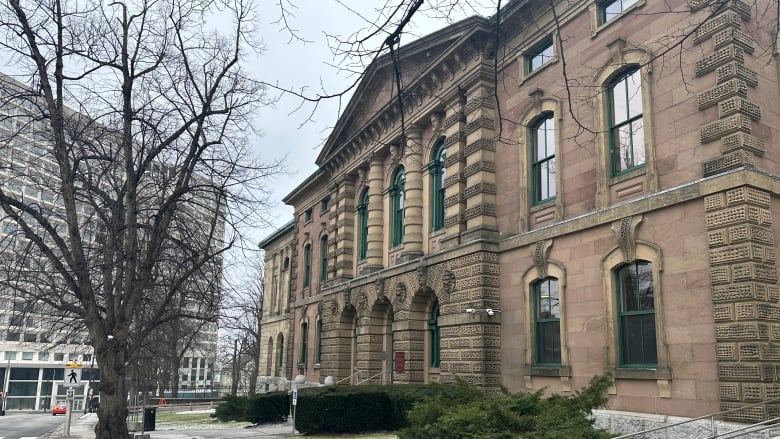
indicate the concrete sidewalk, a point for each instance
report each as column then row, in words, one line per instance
column 83, row 427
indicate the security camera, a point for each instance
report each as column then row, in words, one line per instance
column 489, row 311
column 471, row 310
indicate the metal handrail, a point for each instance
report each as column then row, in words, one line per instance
column 748, row 429
column 371, row 377
column 710, row 416
column 357, row 372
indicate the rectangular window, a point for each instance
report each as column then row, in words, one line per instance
column 547, row 319
column 539, row 55
column 626, row 125
column 28, row 356
column 307, row 215
column 10, row 355
column 325, row 204
column 611, row 9
column 13, row 336
column 59, row 357
column 543, row 171
column 307, row 266
column 30, row 338
column 636, row 315
column 43, row 356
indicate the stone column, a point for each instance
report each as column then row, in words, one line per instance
column 375, row 214
column 454, row 184
column 413, row 210
column 345, row 228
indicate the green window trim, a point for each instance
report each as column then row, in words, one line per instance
column 637, row 344
column 363, row 225
column 539, row 55
column 433, row 327
column 324, row 258
column 307, row 266
column 319, row 341
column 304, row 344
column 281, row 351
column 438, row 173
column 543, row 171
column 397, row 195
column 626, row 123
column 547, row 322
column 611, row 9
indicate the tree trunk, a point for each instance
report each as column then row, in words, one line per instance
column 113, row 411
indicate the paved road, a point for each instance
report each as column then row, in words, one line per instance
column 27, row 425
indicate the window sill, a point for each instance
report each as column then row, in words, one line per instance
column 642, row 373
column 525, row 76
column 628, row 175
column 548, row 371
column 542, row 205
column 606, row 24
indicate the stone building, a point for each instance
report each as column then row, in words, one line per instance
column 274, row 361
column 591, row 192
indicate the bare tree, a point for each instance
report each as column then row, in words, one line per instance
column 241, row 315
column 138, row 115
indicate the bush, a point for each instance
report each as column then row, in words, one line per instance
column 268, row 407
column 232, row 408
column 526, row 415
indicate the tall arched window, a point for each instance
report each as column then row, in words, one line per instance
column 433, row 327
column 626, row 125
column 397, row 194
column 319, row 341
column 547, row 321
column 438, row 173
column 636, row 315
column 543, row 159
column 304, row 344
column 280, row 352
column 324, row 258
column 307, row 266
column 363, row 225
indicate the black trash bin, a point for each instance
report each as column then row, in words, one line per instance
column 150, row 415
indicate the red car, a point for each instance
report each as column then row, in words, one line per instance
column 60, row 409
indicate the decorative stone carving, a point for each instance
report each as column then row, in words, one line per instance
column 379, row 284
column 626, row 235
column 400, row 292
column 334, row 308
column 362, row 302
column 448, row 282
column 422, row 275
column 540, row 251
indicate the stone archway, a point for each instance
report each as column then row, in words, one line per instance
column 269, row 359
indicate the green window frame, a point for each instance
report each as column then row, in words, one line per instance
column 363, row 225
column 324, row 258
column 307, row 266
column 433, row 327
column 636, row 315
column 543, row 172
column 319, row 341
column 397, row 198
column 539, row 55
column 611, row 9
column 626, row 124
column 304, row 344
column 547, row 321
column 280, row 346
column 438, row 172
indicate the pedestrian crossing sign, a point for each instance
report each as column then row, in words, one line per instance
column 72, row 377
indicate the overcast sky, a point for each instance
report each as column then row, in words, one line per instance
column 296, row 64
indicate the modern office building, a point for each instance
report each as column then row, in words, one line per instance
column 36, row 345
column 590, row 191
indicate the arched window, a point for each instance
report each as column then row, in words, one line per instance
column 547, row 321
column 626, row 125
column 280, row 352
column 324, row 258
column 397, row 194
column 319, row 341
column 433, row 327
column 636, row 315
column 543, row 159
column 363, row 225
column 304, row 344
column 438, row 172
column 307, row 266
